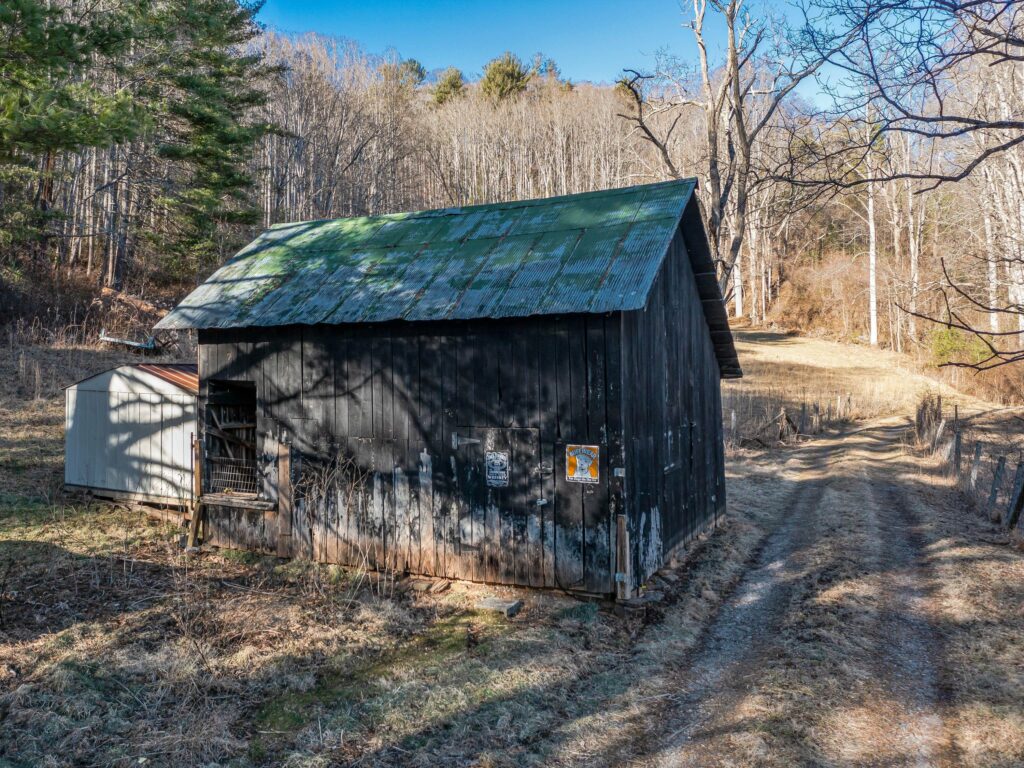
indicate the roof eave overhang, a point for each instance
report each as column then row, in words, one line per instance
column 713, row 303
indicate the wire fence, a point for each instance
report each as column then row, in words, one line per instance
column 765, row 418
column 979, row 470
column 232, row 475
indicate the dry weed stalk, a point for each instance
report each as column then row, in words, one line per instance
column 330, row 489
column 191, row 605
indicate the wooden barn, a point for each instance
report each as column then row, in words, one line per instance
column 519, row 393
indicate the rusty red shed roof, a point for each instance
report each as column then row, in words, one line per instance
column 183, row 375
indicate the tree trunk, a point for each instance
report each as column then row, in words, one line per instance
column 872, row 267
column 993, row 275
column 737, row 288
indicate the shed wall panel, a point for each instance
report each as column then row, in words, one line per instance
column 129, row 441
column 672, row 417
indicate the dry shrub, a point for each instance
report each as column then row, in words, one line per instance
column 816, row 298
column 1004, row 385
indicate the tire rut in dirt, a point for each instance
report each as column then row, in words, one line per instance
column 743, row 627
column 910, row 658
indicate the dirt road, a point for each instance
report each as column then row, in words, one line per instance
column 832, row 647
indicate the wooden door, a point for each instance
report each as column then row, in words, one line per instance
column 498, row 484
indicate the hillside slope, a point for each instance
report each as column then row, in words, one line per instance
column 799, row 369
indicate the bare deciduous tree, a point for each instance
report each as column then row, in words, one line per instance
column 738, row 100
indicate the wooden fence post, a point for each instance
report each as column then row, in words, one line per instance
column 623, row 571
column 1016, row 498
column 972, row 484
column 803, row 419
column 197, row 493
column 997, row 483
column 284, row 499
column 957, row 454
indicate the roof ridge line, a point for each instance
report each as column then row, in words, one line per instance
column 518, row 203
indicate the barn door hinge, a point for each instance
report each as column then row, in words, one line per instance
column 458, row 441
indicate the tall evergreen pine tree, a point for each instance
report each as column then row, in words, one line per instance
column 209, row 84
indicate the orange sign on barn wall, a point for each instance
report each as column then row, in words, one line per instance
column 582, row 463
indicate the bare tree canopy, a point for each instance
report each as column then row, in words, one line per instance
column 739, row 101
column 860, row 162
column 911, row 60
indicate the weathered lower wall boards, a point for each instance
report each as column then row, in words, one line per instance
column 570, row 449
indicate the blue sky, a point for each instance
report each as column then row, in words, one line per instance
column 590, row 39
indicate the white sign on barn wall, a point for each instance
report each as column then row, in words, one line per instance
column 497, row 464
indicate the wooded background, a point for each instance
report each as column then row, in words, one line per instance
column 143, row 142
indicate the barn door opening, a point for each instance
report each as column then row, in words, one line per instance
column 230, row 444
column 498, row 483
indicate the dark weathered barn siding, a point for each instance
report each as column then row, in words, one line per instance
column 412, row 406
column 391, row 396
column 672, row 416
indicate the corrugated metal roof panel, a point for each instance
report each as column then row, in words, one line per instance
column 483, row 295
column 581, row 272
column 591, row 253
column 643, row 248
column 533, row 278
column 182, row 375
column 594, row 252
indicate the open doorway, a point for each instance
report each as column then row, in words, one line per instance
column 230, row 435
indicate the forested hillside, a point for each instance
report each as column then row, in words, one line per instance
column 861, row 165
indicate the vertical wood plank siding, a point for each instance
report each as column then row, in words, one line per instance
column 675, row 482
column 390, row 396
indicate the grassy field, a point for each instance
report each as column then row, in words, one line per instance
column 115, row 646
column 843, row 382
column 118, row 649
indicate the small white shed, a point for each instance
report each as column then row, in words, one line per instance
column 128, row 433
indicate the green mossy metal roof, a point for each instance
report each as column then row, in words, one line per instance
column 589, row 253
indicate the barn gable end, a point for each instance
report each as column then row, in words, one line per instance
column 673, row 438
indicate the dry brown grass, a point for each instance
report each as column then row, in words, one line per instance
column 115, row 647
column 845, row 383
